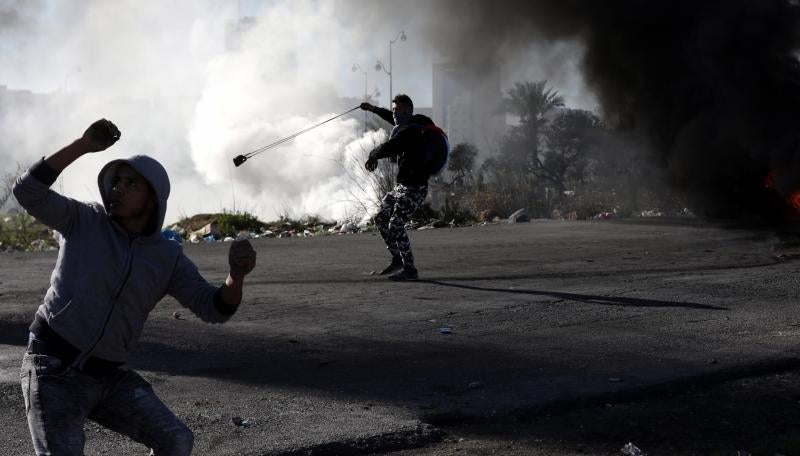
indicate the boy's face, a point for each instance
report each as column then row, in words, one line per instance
column 131, row 196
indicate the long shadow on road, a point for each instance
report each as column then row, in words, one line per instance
column 367, row 277
column 591, row 299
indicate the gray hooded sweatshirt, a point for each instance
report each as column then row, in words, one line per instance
column 105, row 282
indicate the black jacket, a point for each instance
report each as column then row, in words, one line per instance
column 407, row 147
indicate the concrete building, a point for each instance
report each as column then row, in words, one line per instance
column 466, row 105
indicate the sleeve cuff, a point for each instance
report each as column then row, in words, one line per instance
column 221, row 307
column 44, row 173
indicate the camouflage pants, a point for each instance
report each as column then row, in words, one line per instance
column 397, row 207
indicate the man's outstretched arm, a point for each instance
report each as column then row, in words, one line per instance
column 383, row 113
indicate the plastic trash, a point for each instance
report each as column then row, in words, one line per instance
column 172, row 235
column 238, row 421
column 446, row 330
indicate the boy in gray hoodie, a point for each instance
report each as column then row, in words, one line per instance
column 113, row 267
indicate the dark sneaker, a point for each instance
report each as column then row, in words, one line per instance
column 392, row 268
column 406, row 275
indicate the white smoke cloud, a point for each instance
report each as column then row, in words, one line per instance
column 269, row 87
column 186, row 88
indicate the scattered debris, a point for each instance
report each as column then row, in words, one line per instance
column 652, row 213
column 348, row 227
column 238, row 421
column 519, row 216
column 172, row 235
column 487, row 215
column 605, row 216
column 631, row 450
column 38, row 245
column 210, row 229
column 245, row 235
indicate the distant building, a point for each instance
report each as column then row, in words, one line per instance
column 466, row 104
column 9, row 97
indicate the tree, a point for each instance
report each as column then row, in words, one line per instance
column 461, row 163
column 567, row 139
column 531, row 101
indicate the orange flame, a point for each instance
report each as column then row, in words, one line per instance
column 794, row 200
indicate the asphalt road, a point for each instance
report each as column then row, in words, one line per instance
column 323, row 356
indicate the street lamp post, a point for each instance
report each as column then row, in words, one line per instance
column 357, row 67
column 380, row 66
column 367, row 95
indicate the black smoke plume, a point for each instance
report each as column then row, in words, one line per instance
column 713, row 86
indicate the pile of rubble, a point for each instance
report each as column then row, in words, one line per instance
column 211, row 232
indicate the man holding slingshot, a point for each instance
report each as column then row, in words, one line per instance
column 406, row 145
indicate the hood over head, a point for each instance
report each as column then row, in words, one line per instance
column 151, row 170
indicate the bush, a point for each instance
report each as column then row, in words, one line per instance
column 231, row 223
column 18, row 231
column 456, row 213
column 424, row 215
